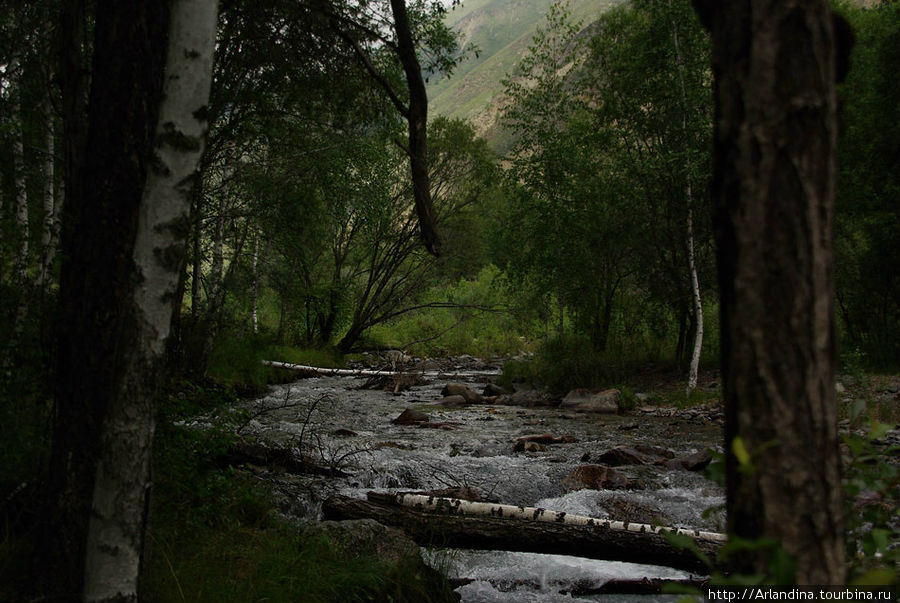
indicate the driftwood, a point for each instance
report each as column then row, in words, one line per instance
column 527, row 530
column 284, row 459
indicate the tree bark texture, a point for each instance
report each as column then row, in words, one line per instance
column 417, row 117
column 115, row 537
column 50, row 231
column 775, row 133
column 21, row 207
column 496, row 533
column 689, row 219
column 96, row 282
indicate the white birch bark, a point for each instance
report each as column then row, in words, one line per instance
column 456, row 506
column 698, row 303
column 21, row 208
column 254, row 299
column 20, row 260
column 51, row 212
column 689, row 196
column 116, row 528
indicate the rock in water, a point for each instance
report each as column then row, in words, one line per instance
column 692, row 462
column 605, row 402
column 458, row 389
column 410, row 417
column 595, row 477
column 455, row 400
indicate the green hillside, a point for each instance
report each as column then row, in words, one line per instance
column 502, row 30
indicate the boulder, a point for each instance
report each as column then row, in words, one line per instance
column 459, row 389
column 531, row 447
column 595, row 477
column 528, row 398
column 692, row 462
column 492, row 390
column 410, row 417
column 454, row 400
column 625, row 455
column 542, row 438
column 630, row 510
column 461, row 492
column 582, row 400
column 655, row 451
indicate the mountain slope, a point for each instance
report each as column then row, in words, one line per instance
column 502, row 30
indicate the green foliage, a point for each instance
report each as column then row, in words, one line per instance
column 868, row 186
column 561, row 366
column 236, row 362
column 470, row 316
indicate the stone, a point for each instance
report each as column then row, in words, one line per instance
column 595, row 477
column 691, row 462
column 454, row 400
column 492, row 390
column 582, row 400
column 624, row 455
column 532, row 447
column 461, row 492
column 459, row 389
column 528, row 398
column 655, row 451
column 542, row 438
column 410, row 417
column 632, row 511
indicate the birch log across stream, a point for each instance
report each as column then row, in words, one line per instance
column 446, row 522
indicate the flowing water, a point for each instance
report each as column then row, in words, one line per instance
column 342, row 425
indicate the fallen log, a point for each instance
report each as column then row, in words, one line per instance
column 457, row 506
column 335, row 372
column 329, row 372
column 446, row 527
column 284, row 459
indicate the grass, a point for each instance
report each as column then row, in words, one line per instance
column 236, row 362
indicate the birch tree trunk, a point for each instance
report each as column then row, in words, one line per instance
column 698, row 302
column 116, row 528
column 21, row 208
column 689, row 198
column 20, row 260
column 254, row 294
column 51, row 210
column 774, row 171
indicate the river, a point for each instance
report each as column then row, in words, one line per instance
column 342, row 425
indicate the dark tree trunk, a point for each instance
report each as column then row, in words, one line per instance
column 104, row 190
column 681, row 345
column 774, row 68
column 417, row 118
